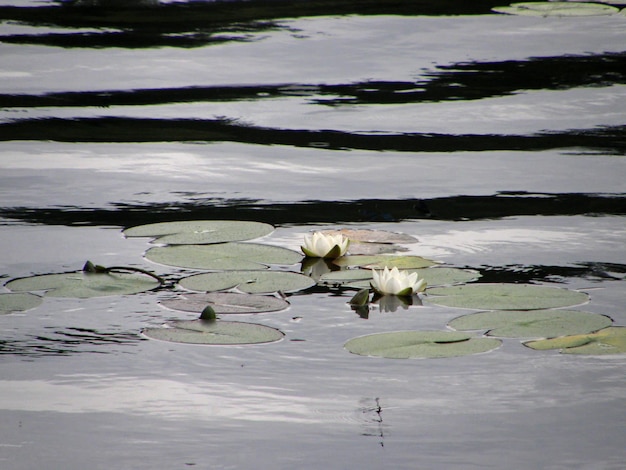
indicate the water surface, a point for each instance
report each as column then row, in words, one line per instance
column 497, row 141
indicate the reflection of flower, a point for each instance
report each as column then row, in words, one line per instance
column 316, row 267
column 321, row 245
column 391, row 303
column 396, row 282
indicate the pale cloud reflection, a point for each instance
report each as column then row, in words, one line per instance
column 176, row 164
column 472, row 241
column 164, row 398
column 288, row 167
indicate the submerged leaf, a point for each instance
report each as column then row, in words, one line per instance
column 83, row 285
column 214, row 332
column 252, row 282
column 372, row 236
column 198, row 232
column 382, row 261
column 223, row 256
column 532, row 323
column 610, row 340
column 226, row 303
column 18, row 302
column 373, row 242
column 423, row 344
column 436, row 276
column 505, row 297
column 365, row 248
column 557, row 9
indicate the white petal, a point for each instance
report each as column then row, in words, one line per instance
column 394, row 286
column 419, row 286
column 376, row 280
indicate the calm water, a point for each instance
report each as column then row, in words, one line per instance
column 497, row 141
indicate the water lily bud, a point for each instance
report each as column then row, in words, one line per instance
column 208, row 314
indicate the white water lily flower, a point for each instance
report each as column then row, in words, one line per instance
column 321, row 245
column 396, row 282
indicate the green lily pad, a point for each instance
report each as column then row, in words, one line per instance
column 226, row 302
column 18, row 302
column 199, row 232
column 505, row 297
column 416, row 344
column 346, row 276
column 532, row 323
column 251, row 282
column 607, row 341
column 223, row 256
column 440, row 276
column 557, row 9
column 83, row 285
column 214, row 332
column 380, row 261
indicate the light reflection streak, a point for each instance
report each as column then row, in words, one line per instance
column 167, row 399
column 331, row 401
column 473, row 241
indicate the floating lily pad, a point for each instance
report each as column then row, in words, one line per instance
column 380, row 261
column 505, row 297
column 607, row 341
column 83, row 285
column 226, row 302
column 199, row 232
column 557, row 9
column 18, row 302
column 424, row 344
column 532, row 323
column 346, row 276
column 252, row 282
column 215, row 332
column 440, row 276
column 372, row 236
column 223, row 256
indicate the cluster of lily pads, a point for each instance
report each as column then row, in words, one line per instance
column 240, row 276
column 563, row 8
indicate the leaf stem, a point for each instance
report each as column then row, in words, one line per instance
column 137, row 270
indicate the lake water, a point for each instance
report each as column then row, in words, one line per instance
column 498, row 141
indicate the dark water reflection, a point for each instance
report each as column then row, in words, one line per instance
column 590, row 271
column 452, row 208
column 463, row 81
column 66, row 341
column 137, row 39
column 111, row 129
column 191, row 15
